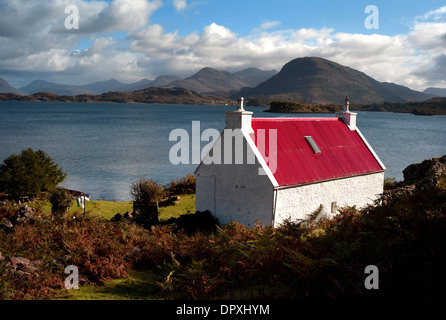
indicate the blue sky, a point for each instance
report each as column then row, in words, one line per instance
column 134, row 39
column 243, row 16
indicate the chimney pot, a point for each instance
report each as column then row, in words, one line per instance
column 348, row 117
column 240, row 108
column 239, row 119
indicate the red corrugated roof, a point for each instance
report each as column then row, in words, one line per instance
column 343, row 152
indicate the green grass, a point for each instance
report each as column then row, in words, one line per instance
column 107, row 209
column 139, row 285
column 186, row 205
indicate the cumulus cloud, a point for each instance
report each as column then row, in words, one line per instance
column 34, row 41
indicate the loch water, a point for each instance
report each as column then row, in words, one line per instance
column 105, row 147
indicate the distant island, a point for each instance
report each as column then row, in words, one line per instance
column 434, row 106
column 148, row 95
column 301, row 107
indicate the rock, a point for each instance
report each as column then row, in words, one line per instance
column 21, row 266
column 24, row 215
column 19, row 261
column 117, row 217
column 7, row 224
column 419, row 177
column 426, row 170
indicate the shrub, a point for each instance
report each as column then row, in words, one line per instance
column 390, row 183
column 60, row 202
column 147, row 191
column 192, row 223
column 184, row 185
column 405, row 239
column 29, row 173
column 100, row 249
column 146, row 196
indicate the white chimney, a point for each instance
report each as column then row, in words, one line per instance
column 348, row 117
column 239, row 119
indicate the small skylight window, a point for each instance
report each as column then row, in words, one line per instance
column 312, row 144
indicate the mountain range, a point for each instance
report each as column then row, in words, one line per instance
column 308, row 79
column 207, row 80
column 321, row 81
column 96, row 87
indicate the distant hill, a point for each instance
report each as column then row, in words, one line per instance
column 254, row 76
column 92, row 88
column 440, row 92
column 59, row 89
column 405, row 93
column 209, row 80
column 96, row 87
column 105, row 86
column 138, row 85
column 321, row 81
column 164, row 80
column 5, row 87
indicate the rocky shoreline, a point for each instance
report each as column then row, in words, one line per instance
column 419, row 177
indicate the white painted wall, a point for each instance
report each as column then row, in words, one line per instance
column 235, row 192
column 297, row 203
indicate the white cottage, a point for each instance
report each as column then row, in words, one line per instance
column 272, row 169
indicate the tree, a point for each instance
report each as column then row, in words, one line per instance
column 29, row 173
column 146, row 196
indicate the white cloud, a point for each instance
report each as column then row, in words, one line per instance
column 39, row 44
column 180, row 5
column 437, row 14
column 267, row 25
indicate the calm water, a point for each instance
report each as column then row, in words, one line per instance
column 105, row 147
